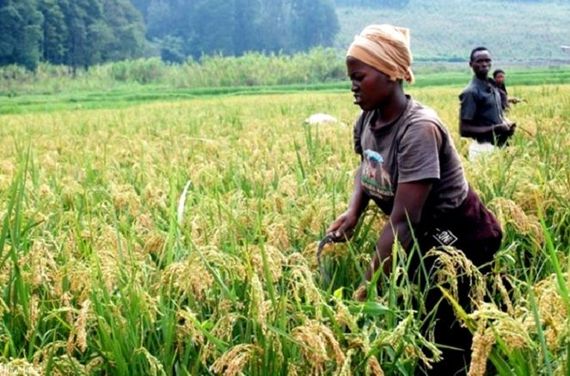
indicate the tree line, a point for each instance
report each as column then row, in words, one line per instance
column 82, row 33
column 232, row 27
column 77, row 33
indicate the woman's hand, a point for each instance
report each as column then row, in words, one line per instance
column 343, row 227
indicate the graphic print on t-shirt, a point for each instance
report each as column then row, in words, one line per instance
column 374, row 178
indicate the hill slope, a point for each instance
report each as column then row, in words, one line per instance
column 447, row 30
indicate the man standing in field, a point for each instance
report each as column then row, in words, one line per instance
column 481, row 115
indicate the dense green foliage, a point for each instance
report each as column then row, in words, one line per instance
column 20, row 32
column 194, row 28
column 78, row 33
column 83, row 33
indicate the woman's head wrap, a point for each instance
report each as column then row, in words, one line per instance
column 386, row 48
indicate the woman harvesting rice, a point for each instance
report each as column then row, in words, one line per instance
column 411, row 170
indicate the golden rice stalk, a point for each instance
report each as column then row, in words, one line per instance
column 38, row 265
column 344, row 317
column 152, row 239
column 510, row 329
column 552, row 311
column 504, row 294
column 3, row 307
column 483, row 342
column 317, row 342
column 417, row 350
column 309, row 254
column 125, row 198
column 144, row 224
column 225, row 307
column 6, row 269
column 373, row 367
column 276, row 348
column 44, row 191
column 258, row 308
column 346, row 367
column 339, row 356
column 277, row 235
column 156, row 367
column 274, row 258
column 509, row 212
column 7, row 166
column 33, row 316
column 452, row 264
column 70, row 189
column 94, row 365
column 223, row 330
column 67, row 365
column 20, row 367
column 313, row 348
column 111, row 244
column 233, row 361
column 155, row 197
column 44, row 353
column 562, row 368
column 186, row 327
column 78, row 334
column 79, row 275
column 302, row 283
column 531, row 194
column 190, row 277
column 223, row 261
column 153, row 243
column 81, row 326
column 292, row 370
column 66, row 304
column 313, row 214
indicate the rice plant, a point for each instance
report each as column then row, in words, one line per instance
column 179, row 238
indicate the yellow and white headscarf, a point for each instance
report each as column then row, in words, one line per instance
column 386, row 48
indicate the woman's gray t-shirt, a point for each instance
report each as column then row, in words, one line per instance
column 416, row 147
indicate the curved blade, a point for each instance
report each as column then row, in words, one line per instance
column 325, row 274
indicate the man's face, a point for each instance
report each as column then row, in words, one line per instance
column 481, row 63
column 500, row 78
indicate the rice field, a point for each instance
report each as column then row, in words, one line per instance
column 179, row 238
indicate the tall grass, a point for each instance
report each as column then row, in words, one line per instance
column 151, row 78
column 103, row 272
column 252, row 69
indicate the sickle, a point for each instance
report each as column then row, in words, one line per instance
column 324, row 273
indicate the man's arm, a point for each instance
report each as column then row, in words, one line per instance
column 468, row 128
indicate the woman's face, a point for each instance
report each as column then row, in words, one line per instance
column 371, row 88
